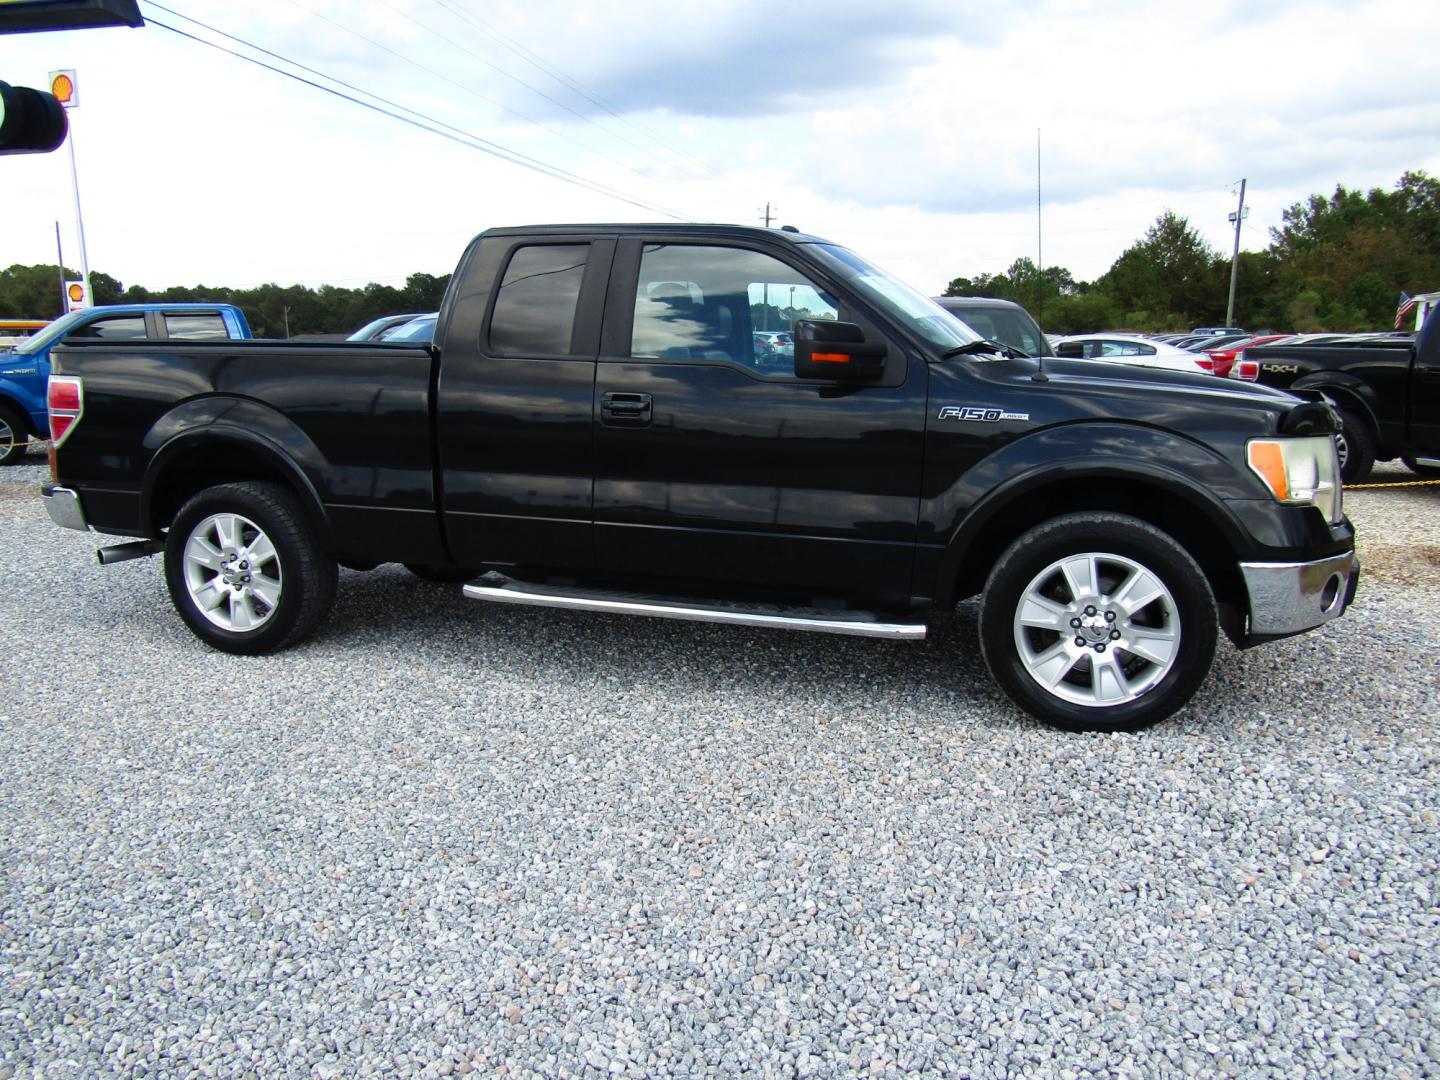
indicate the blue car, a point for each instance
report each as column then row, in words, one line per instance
column 25, row 368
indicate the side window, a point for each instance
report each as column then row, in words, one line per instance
column 1120, row 348
column 535, row 308
column 727, row 304
column 195, row 326
column 113, row 328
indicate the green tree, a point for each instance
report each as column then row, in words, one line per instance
column 1171, row 277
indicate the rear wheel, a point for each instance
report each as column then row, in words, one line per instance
column 14, row 436
column 1098, row 622
column 245, row 570
column 1356, row 449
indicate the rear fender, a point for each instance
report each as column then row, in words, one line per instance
column 1348, row 392
column 260, row 433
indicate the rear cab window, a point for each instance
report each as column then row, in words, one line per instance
column 537, row 299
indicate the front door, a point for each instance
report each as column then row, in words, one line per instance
column 714, row 464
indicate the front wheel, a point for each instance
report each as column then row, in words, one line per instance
column 13, row 435
column 245, row 570
column 1098, row 622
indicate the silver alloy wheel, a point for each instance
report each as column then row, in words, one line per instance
column 232, row 572
column 8, row 436
column 1342, row 447
column 1097, row 629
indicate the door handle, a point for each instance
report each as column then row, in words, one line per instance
column 623, row 408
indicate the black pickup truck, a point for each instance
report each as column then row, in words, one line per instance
column 1387, row 391
column 607, row 420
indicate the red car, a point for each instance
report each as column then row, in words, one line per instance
column 1224, row 358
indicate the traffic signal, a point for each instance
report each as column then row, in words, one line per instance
column 31, row 122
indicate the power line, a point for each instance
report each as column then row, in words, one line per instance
column 445, row 78
column 541, row 64
column 425, row 123
column 501, row 71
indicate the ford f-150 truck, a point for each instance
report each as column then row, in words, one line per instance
column 25, row 368
column 594, row 427
column 1386, row 389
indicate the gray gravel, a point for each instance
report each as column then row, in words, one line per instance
column 445, row 837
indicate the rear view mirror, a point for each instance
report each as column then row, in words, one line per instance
column 836, row 351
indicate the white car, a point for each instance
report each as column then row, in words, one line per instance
column 1133, row 349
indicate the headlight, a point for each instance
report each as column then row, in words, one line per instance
column 1300, row 472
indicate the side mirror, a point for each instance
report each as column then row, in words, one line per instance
column 1071, row 350
column 836, row 351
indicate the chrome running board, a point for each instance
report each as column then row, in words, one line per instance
column 503, row 590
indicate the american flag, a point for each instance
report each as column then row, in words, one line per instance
column 1407, row 305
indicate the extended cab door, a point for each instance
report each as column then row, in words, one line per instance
column 516, row 384
column 1424, row 396
column 715, row 464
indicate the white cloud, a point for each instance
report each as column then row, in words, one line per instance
column 907, row 133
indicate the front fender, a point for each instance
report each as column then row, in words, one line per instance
column 960, row 513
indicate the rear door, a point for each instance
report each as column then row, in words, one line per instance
column 715, row 464
column 1424, row 396
column 516, row 387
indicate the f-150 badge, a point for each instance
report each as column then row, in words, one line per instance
column 979, row 412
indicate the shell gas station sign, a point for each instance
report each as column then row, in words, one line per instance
column 77, row 297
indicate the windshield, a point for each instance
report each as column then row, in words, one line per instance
column 1003, row 324
column 52, row 333
column 909, row 309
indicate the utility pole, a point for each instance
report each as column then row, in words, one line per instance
column 1039, row 238
column 765, row 300
column 1238, row 217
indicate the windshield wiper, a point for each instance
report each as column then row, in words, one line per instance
column 984, row 345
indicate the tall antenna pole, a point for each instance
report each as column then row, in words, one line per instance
column 1238, row 217
column 1039, row 237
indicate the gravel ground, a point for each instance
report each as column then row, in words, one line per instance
column 445, row 837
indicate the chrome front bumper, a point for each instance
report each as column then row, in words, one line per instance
column 1288, row 598
column 63, row 506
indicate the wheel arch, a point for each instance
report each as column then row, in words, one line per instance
column 1201, row 525
column 1349, row 396
column 199, row 458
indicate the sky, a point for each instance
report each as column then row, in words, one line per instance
column 906, row 131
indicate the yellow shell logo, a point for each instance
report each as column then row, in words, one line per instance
column 76, row 292
column 63, row 88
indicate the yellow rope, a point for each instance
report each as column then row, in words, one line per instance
column 1397, row 483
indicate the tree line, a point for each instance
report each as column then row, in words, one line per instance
column 1336, row 262
column 272, row 310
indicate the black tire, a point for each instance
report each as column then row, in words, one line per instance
column 442, row 575
column 244, row 575
column 1429, row 471
column 14, row 435
column 1357, row 448
column 1181, row 623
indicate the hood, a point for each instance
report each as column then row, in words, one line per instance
column 1206, row 407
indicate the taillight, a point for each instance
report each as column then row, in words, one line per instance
column 1249, row 370
column 65, row 397
column 1205, row 363
column 1223, row 363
